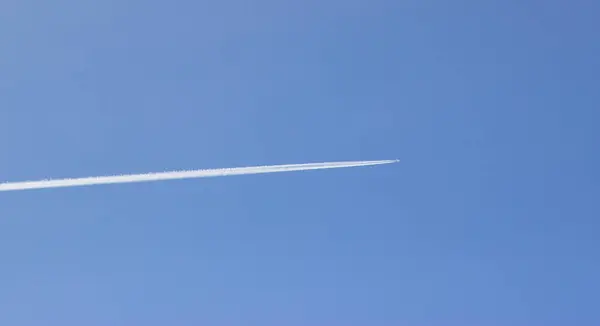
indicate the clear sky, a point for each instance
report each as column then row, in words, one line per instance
column 490, row 218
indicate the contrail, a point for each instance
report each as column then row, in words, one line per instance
column 157, row 176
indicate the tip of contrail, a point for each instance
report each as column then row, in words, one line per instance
column 384, row 161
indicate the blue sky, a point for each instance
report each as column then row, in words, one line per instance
column 491, row 217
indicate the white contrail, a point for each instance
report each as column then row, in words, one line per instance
column 74, row 182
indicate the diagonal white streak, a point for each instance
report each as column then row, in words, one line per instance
column 89, row 181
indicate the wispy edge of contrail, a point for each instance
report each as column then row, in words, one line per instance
column 185, row 174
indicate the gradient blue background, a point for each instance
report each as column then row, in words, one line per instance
column 491, row 217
